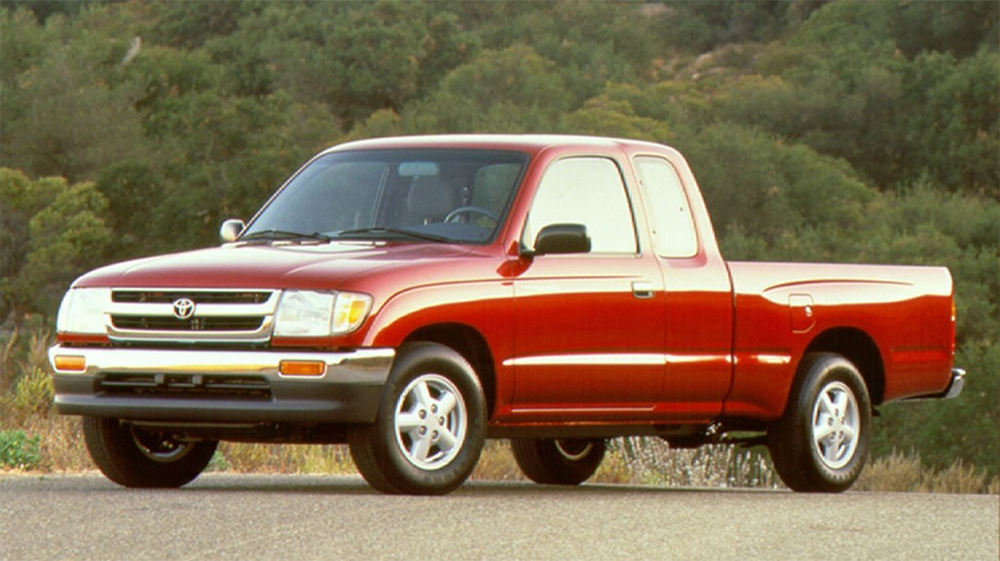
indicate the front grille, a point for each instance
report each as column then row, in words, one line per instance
column 167, row 323
column 196, row 296
column 187, row 386
column 215, row 316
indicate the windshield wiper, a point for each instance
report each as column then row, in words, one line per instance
column 275, row 234
column 383, row 230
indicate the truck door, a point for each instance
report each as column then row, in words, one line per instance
column 588, row 325
column 698, row 310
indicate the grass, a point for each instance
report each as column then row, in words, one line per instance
column 34, row 438
column 906, row 473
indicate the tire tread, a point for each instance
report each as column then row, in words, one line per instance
column 115, row 453
column 789, row 437
column 541, row 462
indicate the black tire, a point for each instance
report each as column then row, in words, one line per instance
column 430, row 427
column 558, row 461
column 134, row 457
column 820, row 444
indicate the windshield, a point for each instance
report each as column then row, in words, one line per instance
column 453, row 196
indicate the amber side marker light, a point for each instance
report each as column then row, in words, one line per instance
column 71, row 363
column 302, row 368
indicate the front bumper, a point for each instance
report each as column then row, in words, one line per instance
column 210, row 386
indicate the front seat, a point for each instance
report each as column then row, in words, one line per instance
column 430, row 200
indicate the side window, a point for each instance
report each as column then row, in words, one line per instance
column 587, row 191
column 673, row 225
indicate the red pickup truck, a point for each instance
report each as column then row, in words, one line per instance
column 414, row 296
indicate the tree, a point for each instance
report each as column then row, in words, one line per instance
column 514, row 90
column 69, row 120
column 769, row 188
column 604, row 116
column 956, row 28
column 66, row 236
column 355, row 58
column 956, row 131
column 22, row 200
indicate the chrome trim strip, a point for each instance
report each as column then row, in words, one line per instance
column 261, row 335
column 139, row 289
column 771, row 359
column 581, row 410
column 634, row 359
column 367, row 366
column 201, row 310
column 615, row 359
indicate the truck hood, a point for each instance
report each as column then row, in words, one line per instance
column 302, row 266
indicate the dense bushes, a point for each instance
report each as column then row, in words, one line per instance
column 820, row 131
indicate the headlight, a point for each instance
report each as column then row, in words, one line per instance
column 349, row 311
column 304, row 313
column 82, row 311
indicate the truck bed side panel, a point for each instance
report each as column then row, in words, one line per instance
column 782, row 308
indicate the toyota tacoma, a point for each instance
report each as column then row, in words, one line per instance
column 412, row 297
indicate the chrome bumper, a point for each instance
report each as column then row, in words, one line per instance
column 348, row 391
column 956, row 385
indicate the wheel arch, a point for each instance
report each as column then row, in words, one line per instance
column 471, row 344
column 858, row 347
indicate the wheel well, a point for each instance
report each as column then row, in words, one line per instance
column 469, row 343
column 856, row 346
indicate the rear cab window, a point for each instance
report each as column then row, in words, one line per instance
column 671, row 220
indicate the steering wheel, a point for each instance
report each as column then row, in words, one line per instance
column 471, row 210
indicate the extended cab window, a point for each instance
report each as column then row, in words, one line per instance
column 587, row 191
column 672, row 223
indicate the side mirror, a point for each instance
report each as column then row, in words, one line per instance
column 556, row 239
column 231, row 229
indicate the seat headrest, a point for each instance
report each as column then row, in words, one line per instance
column 431, row 199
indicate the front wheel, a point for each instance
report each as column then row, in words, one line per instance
column 566, row 461
column 821, row 442
column 430, row 427
column 135, row 457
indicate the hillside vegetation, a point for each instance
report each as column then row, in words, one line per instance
column 820, row 131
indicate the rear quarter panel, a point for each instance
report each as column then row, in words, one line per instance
column 781, row 308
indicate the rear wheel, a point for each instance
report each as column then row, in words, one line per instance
column 430, row 427
column 821, row 442
column 137, row 457
column 568, row 461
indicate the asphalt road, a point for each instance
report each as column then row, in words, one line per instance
column 286, row 518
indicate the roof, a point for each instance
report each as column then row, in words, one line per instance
column 522, row 142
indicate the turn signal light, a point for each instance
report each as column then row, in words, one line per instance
column 70, row 363
column 302, row 368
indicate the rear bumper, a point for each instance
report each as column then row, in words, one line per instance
column 956, row 385
column 207, row 386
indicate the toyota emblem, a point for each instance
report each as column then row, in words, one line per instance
column 183, row 308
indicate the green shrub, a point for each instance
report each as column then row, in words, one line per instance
column 18, row 450
column 32, row 394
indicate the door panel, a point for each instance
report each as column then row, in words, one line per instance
column 586, row 341
column 589, row 327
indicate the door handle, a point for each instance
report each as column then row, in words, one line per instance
column 642, row 289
